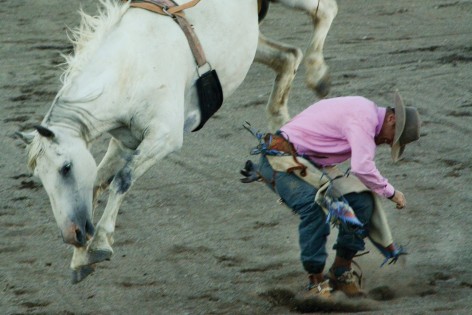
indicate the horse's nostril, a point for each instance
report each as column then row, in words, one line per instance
column 80, row 237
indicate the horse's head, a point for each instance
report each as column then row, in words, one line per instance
column 67, row 171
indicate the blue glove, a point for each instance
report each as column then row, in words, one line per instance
column 249, row 172
column 393, row 255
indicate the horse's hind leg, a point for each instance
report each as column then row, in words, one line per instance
column 284, row 60
column 317, row 75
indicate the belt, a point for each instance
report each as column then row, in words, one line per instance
column 279, row 143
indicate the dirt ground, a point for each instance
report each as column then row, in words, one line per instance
column 190, row 238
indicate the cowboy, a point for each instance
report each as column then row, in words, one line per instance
column 322, row 136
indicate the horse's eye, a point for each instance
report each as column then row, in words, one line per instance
column 65, row 170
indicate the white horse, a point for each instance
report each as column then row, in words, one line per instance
column 285, row 59
column 133, row 76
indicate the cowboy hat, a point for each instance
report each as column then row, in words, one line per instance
column 407, row 127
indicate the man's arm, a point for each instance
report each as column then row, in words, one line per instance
column 363, row 147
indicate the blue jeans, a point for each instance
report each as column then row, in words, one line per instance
column 313, row 229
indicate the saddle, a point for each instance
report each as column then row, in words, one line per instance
column 162, row 7
column 209, row 90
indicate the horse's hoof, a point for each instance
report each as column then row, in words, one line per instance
column 323, row 87
column 98, row 255
column 82, row 273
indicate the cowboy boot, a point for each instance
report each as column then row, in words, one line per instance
column 343, row 278
column 318, row 287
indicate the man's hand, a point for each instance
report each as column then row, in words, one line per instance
column 249, row 172
column 399, row 199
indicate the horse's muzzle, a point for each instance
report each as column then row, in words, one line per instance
column 78, row 235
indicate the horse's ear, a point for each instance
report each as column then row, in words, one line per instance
column 45, row 132
column 27, row 137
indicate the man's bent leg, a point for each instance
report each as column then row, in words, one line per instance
column 348, row 243
column 313, row 228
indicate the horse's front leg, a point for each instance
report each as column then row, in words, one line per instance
column 317, row 74
column 154, row 147
column 284, row 60
column 113, row 160
column 111, row 163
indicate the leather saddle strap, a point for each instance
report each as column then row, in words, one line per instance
column 170, row 8
column 164, row 7
column 193, row 41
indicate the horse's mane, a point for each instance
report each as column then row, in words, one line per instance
column 90, row 32
column 85, row 39
column 35, row 149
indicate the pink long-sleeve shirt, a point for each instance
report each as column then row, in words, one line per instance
column 334, row 130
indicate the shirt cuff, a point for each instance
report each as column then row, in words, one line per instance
column 389, row 191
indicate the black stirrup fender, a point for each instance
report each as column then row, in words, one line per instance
column 263, row 6
column 210, row 96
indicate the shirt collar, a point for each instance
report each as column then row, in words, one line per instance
column 381, row 112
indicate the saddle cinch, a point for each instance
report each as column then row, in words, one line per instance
column 209, row 90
